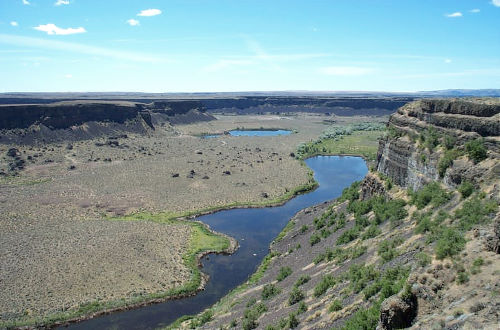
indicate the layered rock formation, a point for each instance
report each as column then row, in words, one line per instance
column 459, row 120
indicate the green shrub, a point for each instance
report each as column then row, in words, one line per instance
column 387, row 249
column 251, row 302
column 450, row 243
column 348, row 235
column 449, row 142
column 325, row 233
column 447, row 160
column 462, row 277
column 364, row 318
column 423, row 259
column 251, row 315
column 474, row 211
column 292, row 321
column 314, row 239
column 303, row 279
column 370, row 232
column 284, row 273
column 360, row 275
column 296, row 295
column 431, row 193
column 476, row 150
column 302, row 308
column 269, row 291
column 431, row 138
column 350, row 193
column 466, row 189
column 392, row 210
column 326, row 282
column 303, row 229
column 335, row 306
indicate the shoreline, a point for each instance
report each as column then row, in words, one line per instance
column 203, row 278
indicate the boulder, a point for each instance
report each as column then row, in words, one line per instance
column 396, row 312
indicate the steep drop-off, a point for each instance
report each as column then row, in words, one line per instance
column 414, row 245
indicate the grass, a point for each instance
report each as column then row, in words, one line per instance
column 202, row 240
column 363, row 143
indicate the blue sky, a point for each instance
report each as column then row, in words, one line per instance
column 248, row 45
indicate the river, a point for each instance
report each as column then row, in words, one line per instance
column 254, row 228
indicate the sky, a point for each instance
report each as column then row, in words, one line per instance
column 248, row 45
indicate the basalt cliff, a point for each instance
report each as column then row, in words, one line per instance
column 413, row 245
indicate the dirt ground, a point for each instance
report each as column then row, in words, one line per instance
column 57, row 250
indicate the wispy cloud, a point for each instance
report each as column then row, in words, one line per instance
column 61, row 2
column 481, row 72
column 149, row 12
column 68, row 76
column 447, row 61
column 78, row 48
column 495, row 3
column 53, row 29
column 455, row 14
column 133, row 22
column 26, row 2
column 346, row 71
column 14, row 23
column 475, row 11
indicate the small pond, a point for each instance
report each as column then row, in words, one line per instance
column 254, row 229
column 251, row 133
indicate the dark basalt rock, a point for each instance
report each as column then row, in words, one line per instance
column 397, row 313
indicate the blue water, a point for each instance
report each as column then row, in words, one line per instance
column 254, row 229
column 251, row 133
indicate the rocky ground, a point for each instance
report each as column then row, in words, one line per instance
column 414, row 245
column 58, row 252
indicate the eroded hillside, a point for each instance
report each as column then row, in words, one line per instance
column 415, row 244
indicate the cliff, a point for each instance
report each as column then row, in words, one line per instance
column 409, row 153
column 84, row 119
column 384, row 256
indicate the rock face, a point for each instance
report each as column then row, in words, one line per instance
column 397, row 313
column 84, row 119
column 463, row 120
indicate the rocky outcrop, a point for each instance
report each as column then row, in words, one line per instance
column 397, row 313
column 403, row 156
column 371, row 186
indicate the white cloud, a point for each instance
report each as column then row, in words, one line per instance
column 61, row 2
column 455, row 14
column 53, row 29
column 68, row 76
column 475, row 11
column 447, row 60
column 149, row 12
column 14, row 23
column 495, row 3
column 78, row 48
column 133, row 22
column 26, row 2
column 345, row 71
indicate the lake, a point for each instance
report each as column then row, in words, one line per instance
column 251, row 133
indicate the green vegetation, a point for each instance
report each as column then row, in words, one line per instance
column 476, row 151
column 289, row 226
column 371, row 232
column 466, row 189
column 430, row 138
column 450, row 243
column 314, row 239
column 476, row 265
column 364, row 318
column 269, row 291
column 251, row 316
column 340, row 254
column 284, row 273
column 449, row 142
column 431, row 193
column 474, row 211
column 360, row 275
column 326, row 282
column 295, row 296
column 447, row 160
column 389, row 283
column 387, row 249
column 204, row 318
column 356, row 139
column 423, row 259
column 303, row 279
column 335, row 306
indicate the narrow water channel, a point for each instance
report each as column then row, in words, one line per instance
column 254, row 229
